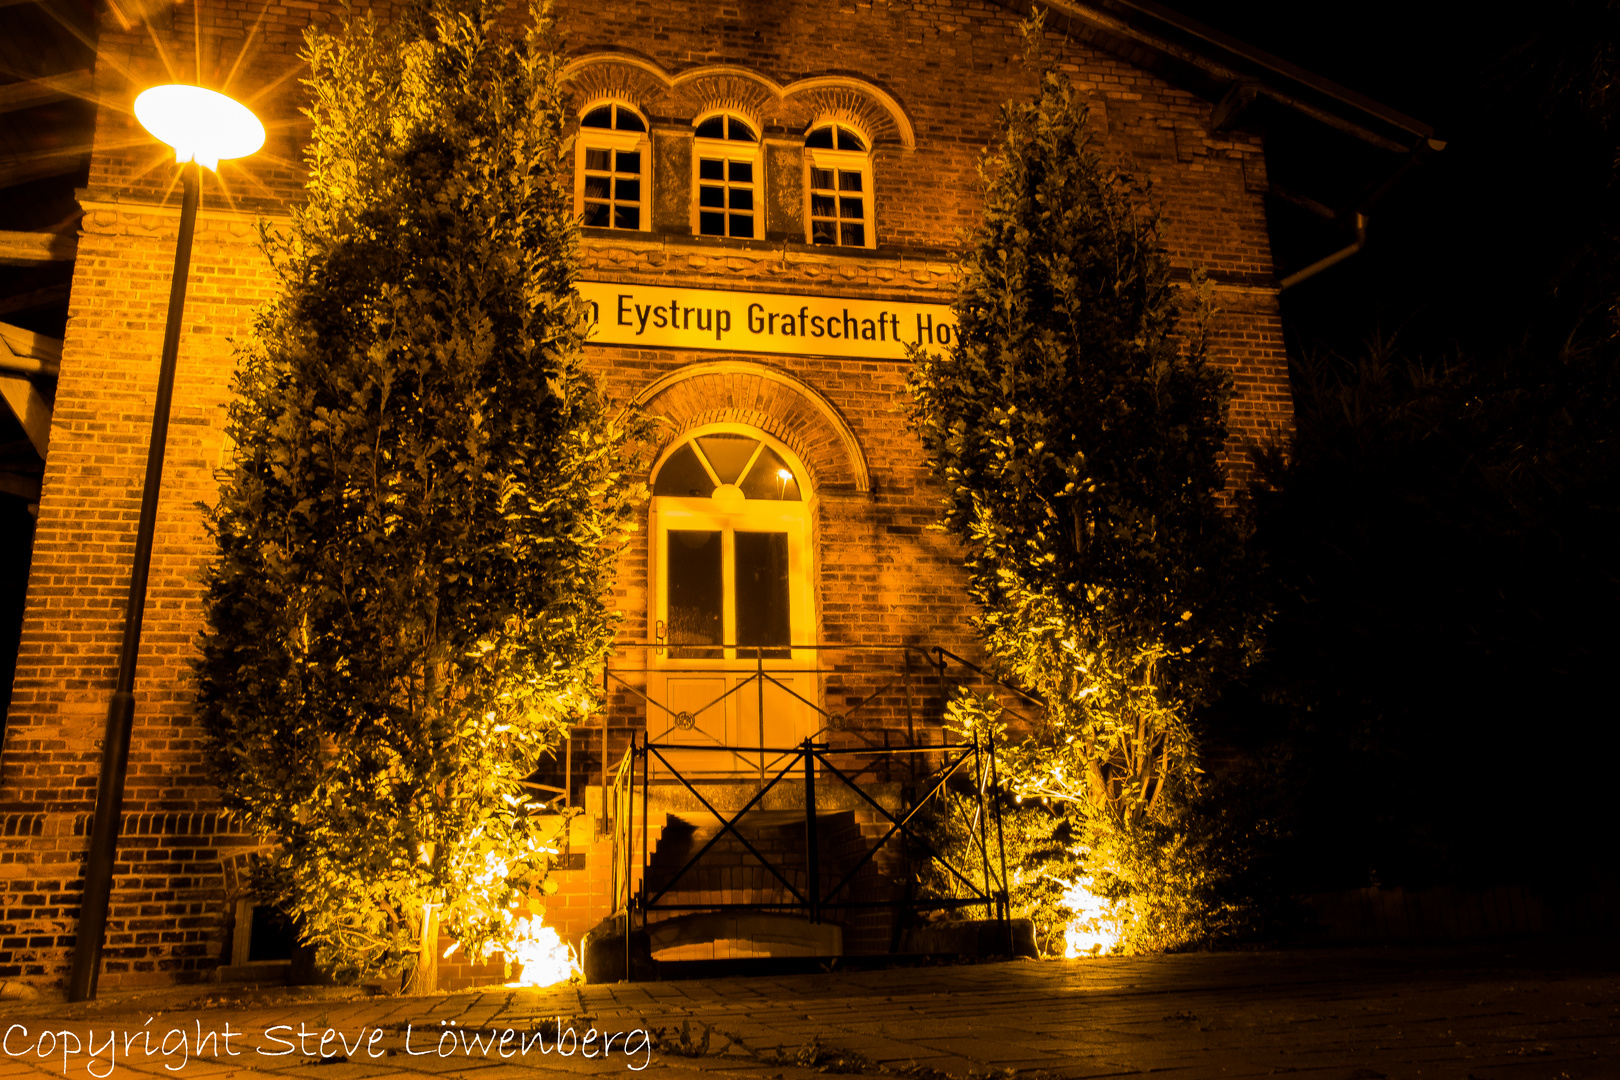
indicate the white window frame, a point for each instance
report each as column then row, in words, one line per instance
column 730, row 150
column 849, row 161
column 612, row 140
column 728, row 517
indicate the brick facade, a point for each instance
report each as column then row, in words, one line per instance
column 921, row 80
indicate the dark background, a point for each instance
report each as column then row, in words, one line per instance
column 1436, row 704
column 1463, row 251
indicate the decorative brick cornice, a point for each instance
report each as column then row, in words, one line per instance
column 171, row 824
column 22, row 825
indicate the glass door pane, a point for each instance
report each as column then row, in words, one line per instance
column 763, row 615
column 696, row 597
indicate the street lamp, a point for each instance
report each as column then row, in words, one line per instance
column 204, row 127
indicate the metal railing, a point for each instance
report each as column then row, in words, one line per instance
column 903, row 703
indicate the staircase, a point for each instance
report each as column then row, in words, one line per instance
column 729, row 874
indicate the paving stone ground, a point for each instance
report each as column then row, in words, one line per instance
column 1532, row 1010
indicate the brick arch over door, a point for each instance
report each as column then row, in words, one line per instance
column 780, row 404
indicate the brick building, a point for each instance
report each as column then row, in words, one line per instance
column 771, row 196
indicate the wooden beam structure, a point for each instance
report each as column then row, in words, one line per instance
column 46, row 89
column 31, row 248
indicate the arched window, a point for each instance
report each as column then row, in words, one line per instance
column 732, row 529
column 612, row 186
column 727, row 193
column 838, row 187
column 732, row 594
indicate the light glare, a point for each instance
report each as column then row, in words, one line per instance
column 545, row 958
column 202, row 125
column 1094, row 930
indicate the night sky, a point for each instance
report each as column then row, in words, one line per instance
column 1464, row 251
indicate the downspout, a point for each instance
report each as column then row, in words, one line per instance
column 1332, row 260
column 1364, row 204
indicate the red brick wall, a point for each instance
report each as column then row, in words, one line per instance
column 882, row 578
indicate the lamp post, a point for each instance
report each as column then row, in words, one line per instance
column 203, row 127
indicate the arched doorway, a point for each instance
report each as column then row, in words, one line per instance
column 732, row 596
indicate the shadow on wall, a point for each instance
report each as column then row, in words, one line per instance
column 16, row 552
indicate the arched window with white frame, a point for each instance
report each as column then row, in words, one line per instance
column 613, row 168
column 732, row 595
column 838, row 187
column 727, row 178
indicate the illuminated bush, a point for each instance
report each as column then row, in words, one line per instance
column 417, row 534
column 1075, row 427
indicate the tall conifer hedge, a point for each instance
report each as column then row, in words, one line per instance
column 417, row 533
column 1076, row 426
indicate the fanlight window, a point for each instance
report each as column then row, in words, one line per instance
column 700, row 467
column 834, row 137
column 613, row 116
column 731, row 535
column 726, row 127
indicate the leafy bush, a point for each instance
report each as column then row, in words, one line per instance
column 417, row 532
column 1076, row 427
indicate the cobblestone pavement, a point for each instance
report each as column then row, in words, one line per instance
column 1530, row 1010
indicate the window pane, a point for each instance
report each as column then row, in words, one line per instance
column 821, row 232
column 599, row 117
column 596, row 215
column 597, row 160
column 711, row 196
column 770, row 478
column 596, row 187
column 683, row 476
column 627, row 161
column 727, row 454
column 626, row 217
column 848, row 140
column 851, row 208
column 710, row 169
column 854, row 235
column 763, row 616
column 711, row 224
column 742, row 225
column 821, row 178
column 629, row 121
column 821, row 138
column 694, row 591
column 742, row 199
column 712, row 128
column 739, row 131
column 630, row 191
column 822, row 206
column 742, row 172
column 849, row 181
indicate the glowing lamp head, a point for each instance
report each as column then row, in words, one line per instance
column 202, row 125
column 783, row 475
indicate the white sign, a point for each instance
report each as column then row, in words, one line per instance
column 658, row 317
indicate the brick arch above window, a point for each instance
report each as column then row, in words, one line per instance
column 710, row 86
column 621, row 82
column 772, row 400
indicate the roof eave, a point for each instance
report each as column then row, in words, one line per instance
column 1225, row 71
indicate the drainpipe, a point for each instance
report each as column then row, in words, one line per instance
column 1334, row 259
column 1363, row 204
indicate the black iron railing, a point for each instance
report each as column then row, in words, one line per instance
column 883, row 730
